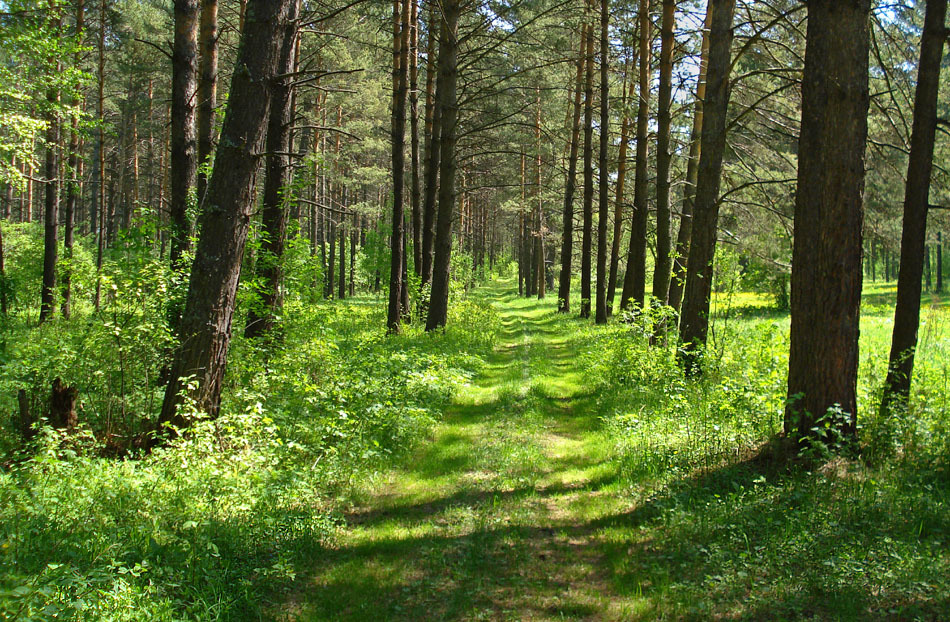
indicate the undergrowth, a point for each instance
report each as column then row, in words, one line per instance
column 725, row 527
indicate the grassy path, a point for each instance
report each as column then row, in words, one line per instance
column 498, row 517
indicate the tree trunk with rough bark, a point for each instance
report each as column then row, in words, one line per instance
column 603, row 211
column 634, row 282
column 587, row 237
column 207, row 89
column 916, row 201
column 694, row 323
column 447, row 103
column 661, row 272
column 678, row 278
column 826, row 253
column 205, row 329
column 183, row 149
column 567, row 221
column 262, row 317
column 398, row 136
column 619, row 193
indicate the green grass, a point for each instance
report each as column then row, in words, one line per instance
column 522, row 465
column 538, row 497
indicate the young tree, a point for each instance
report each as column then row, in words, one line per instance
column 694, row 321
column 826, row 259
column 205, row 329
column 916, row 200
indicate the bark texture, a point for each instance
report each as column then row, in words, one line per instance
column 207, row 88
column 826, row 255
column 916, row 200
column 183, row 138
column 587, row 238
column 603, row 207
column 634, row 282
column 205, row 329
column 262, row 318
column 447, row 108
column 567, row 220
column 694, row 322
column 678, row 278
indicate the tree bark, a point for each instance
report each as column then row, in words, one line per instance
column 900, row 366
column 51, row 212
column 678, row 278
column 98, row 214
column 415, row 197
column 567, row 221
column 661, row 272
column 826, row 254
column 619, row 195
column 72, row 170
column 205, row 330
column 398, row 135
column 447, row 103
column 587, row 238
column 603, row 213
column 634, row 282
column 433, row 142
column 262, row 317
column 694, row 323
column 207, row 89
column 183, row 139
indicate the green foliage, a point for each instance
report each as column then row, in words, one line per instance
column 204, row 528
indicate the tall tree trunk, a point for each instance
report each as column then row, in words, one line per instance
column 98, row 214
column 694, row 324
column 586, row 239
column 900, row 366
column 539, row 214
column 826, row 255
column 207, row 89
column 400, row 81
column 567, row 221
column 678, row 279
column 205, row 327
column 621, row 183
column 415, row 196
column 661, row 272
column 634, row 281
column 51, row 212
column 183, row 155
column 262, row 318
column 447, row 103
column 603, row 212
column 72, row 169
column 433, row 142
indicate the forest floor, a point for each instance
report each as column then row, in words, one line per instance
column 500, row 516
column 528, row 502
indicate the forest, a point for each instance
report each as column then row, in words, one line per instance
column 474, row 309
